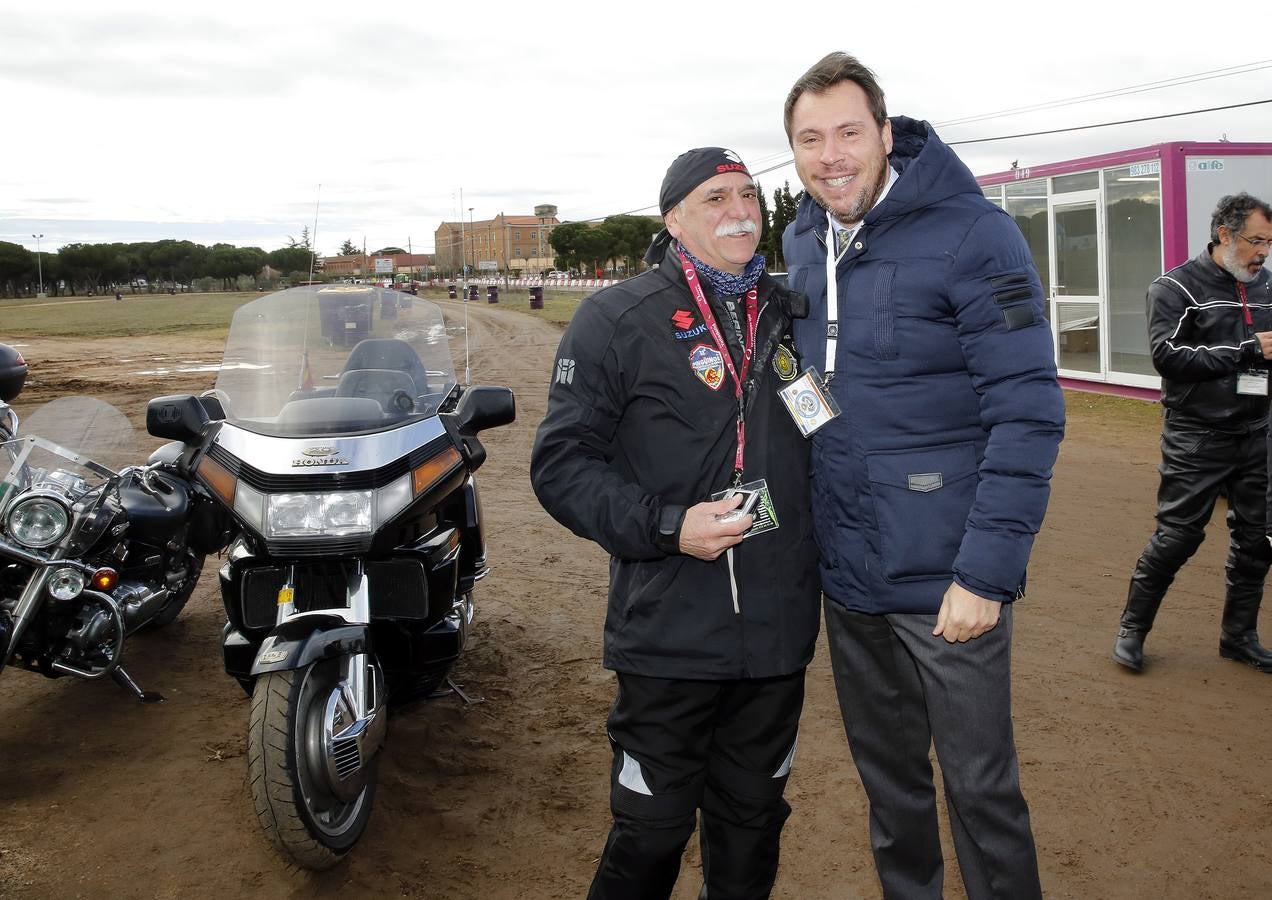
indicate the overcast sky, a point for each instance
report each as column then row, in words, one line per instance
column 219, row 121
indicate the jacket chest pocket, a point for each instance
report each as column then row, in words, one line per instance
column 866, row 312
column 868, row 309
column 883, row 312
column 921, row 501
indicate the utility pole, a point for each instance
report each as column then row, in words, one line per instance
column 39, row 263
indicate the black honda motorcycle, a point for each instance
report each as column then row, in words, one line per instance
column 91, row 549
column 345, row 451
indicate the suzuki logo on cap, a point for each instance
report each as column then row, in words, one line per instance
column 733, row 165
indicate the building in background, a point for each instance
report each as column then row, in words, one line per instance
column 505, row 244
column 419, row 266
column 1101, row 228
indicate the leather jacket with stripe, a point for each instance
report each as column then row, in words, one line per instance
column 1200, row 342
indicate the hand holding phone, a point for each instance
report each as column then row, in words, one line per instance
column 749, row 499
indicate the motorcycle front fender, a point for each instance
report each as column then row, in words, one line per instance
column 298, row 642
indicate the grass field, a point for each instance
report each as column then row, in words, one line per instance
column 208, row 314
column 135, row 315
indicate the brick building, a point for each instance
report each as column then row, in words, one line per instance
column 417, row 265
column 513, row 243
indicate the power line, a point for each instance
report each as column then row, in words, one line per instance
column 1002, row 137
column 1114, row 92
column 1191, row 112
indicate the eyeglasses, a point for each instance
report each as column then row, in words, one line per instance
column 1257, row 243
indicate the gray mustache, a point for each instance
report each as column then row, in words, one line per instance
column 746, row 226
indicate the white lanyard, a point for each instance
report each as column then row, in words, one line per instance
column 833, row 253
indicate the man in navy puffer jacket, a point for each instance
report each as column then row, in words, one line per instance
column 929, row 486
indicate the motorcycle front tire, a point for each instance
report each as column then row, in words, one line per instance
column 311, row 827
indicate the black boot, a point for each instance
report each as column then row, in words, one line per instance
column 1238, row 639
column 1128, row 649
column 1142, row 602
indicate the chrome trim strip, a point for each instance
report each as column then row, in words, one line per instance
column 365, row 452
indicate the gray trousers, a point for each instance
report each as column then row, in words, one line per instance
column 901, row 690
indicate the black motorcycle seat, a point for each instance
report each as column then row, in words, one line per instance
column 389, row 353
column 385, row 386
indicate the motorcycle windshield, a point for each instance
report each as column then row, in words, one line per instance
column 334, row 359
column 69, row 445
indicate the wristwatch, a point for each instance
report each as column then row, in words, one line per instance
column 670, row 518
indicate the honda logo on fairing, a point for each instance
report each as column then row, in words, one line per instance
column 319, row 456
column 307, row 461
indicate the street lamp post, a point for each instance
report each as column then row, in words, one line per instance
column 39, row 263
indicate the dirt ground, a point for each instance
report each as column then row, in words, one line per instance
column 1156, row 786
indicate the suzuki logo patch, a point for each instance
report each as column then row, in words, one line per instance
column 683, row 319
column 708, row 365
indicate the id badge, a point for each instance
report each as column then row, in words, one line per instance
column 1253, row 382
column 756, row 502
column 809, row 402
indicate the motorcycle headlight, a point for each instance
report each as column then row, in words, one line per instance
column 66, row 583
column 38, row 521
column 337, row 514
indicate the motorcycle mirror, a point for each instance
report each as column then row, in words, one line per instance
column 177, row 417
column 483, row 407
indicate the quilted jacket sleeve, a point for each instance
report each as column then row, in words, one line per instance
column 1007, row 346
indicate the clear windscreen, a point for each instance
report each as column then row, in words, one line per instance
column 334, row 359
column 81, row 440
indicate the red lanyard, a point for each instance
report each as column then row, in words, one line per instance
column 1249, row 319
column 748, row 347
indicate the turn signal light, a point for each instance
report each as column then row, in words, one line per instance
column 222, row 483
column 426, row 475
column 105, row 579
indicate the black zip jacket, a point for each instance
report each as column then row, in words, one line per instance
column 635, row 434
column 1200, row 342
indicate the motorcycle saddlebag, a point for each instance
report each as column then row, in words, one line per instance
column 13, row 373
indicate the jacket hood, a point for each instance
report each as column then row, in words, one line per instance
column 929, row 172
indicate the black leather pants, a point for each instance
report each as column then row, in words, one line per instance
column 1197, row 463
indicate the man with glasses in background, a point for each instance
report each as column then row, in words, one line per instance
column 1210, row 329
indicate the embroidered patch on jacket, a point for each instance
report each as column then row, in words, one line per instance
column 708, row 365
column 686, row 330
column 682, row 319
column 784, row 363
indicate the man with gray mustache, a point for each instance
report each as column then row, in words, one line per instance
column 666, row 442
